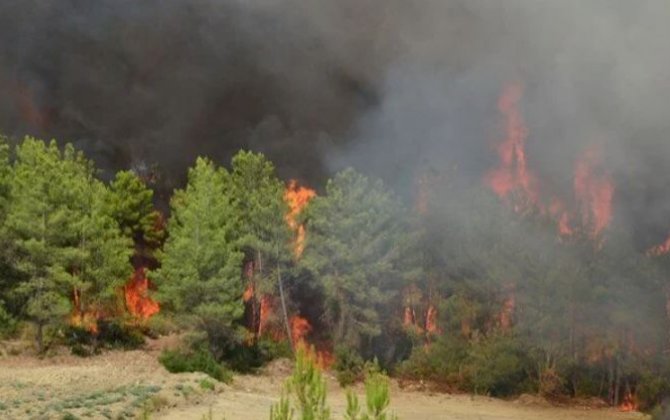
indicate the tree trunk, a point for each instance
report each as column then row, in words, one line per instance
column 40, row 337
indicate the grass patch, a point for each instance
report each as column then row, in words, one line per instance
column 206, row 384
column 198, row 361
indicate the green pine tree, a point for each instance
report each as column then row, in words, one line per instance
column 356, row 241
column 131, row 204
column 63, row 242
column 200, row 275
column 264, row 234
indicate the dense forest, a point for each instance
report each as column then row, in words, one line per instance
column 478, row 288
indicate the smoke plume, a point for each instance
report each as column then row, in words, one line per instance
column 391, row 87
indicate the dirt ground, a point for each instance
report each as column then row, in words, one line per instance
column 133, row 384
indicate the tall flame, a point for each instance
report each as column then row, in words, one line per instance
column 513, row 175
column 297, row 197
column 514, row 182
column 136, row 290
column 300, row 329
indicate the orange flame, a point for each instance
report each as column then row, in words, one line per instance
column 660, row 249
column 85, row 319
column 629, row 403
column 514, row 182
column 431, row 320
column 297, row 198
column 138, row 302
column 513, row 175
column 300, row 328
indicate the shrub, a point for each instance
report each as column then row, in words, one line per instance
column 348, row 366
column 196, row 361
column 8, row 325
column 208, row 385
column 497, row 365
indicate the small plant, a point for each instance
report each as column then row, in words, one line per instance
column 377, row 399
column 308, row 389
column 282, row 410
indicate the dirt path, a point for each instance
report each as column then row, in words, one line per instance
column 128, row 384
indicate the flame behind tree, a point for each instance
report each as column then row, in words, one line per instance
column 264, row 237
column 297, row 197
column 131, row 204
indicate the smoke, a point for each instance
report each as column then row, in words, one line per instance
column 390, row 87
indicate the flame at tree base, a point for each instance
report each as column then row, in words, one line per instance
column 136, row 291
column 300, row 328
column 629, row 403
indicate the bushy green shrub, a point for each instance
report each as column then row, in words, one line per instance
column 199, row 360
column 497, row 365
column 348, row 366
column 110, row 334
column 8, row 325
column 115, row 334
column 653, row 390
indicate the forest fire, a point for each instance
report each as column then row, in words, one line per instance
column 300, row 329
column 514, row 182
column 629, row 403
column 138, row 302
column 81, row 318
column 513, row 175
column 297, row 198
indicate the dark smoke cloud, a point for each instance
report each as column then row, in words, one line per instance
column 391, row 87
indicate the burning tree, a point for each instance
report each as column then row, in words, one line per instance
column 131, row 204
column 200, row 273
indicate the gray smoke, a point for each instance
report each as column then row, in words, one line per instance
column 392, row 87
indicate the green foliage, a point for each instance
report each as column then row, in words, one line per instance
column 195, row 361
column 496, row 365
column 307, row 388
column 62, row 240
column 8, row 324
column 377, row 400
column 355, row 248
column 282, row 410
column 348, row 365
column 208, row 385
column 130, row 203
column 201, row 265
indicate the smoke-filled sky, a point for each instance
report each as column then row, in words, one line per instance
column 389, row 86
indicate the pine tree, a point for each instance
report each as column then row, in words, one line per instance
column 131, row 204
column 63, row 242
column 200, row 276
column 357, row 240
column 264, row 234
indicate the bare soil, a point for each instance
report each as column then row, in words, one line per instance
column 132, row 384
